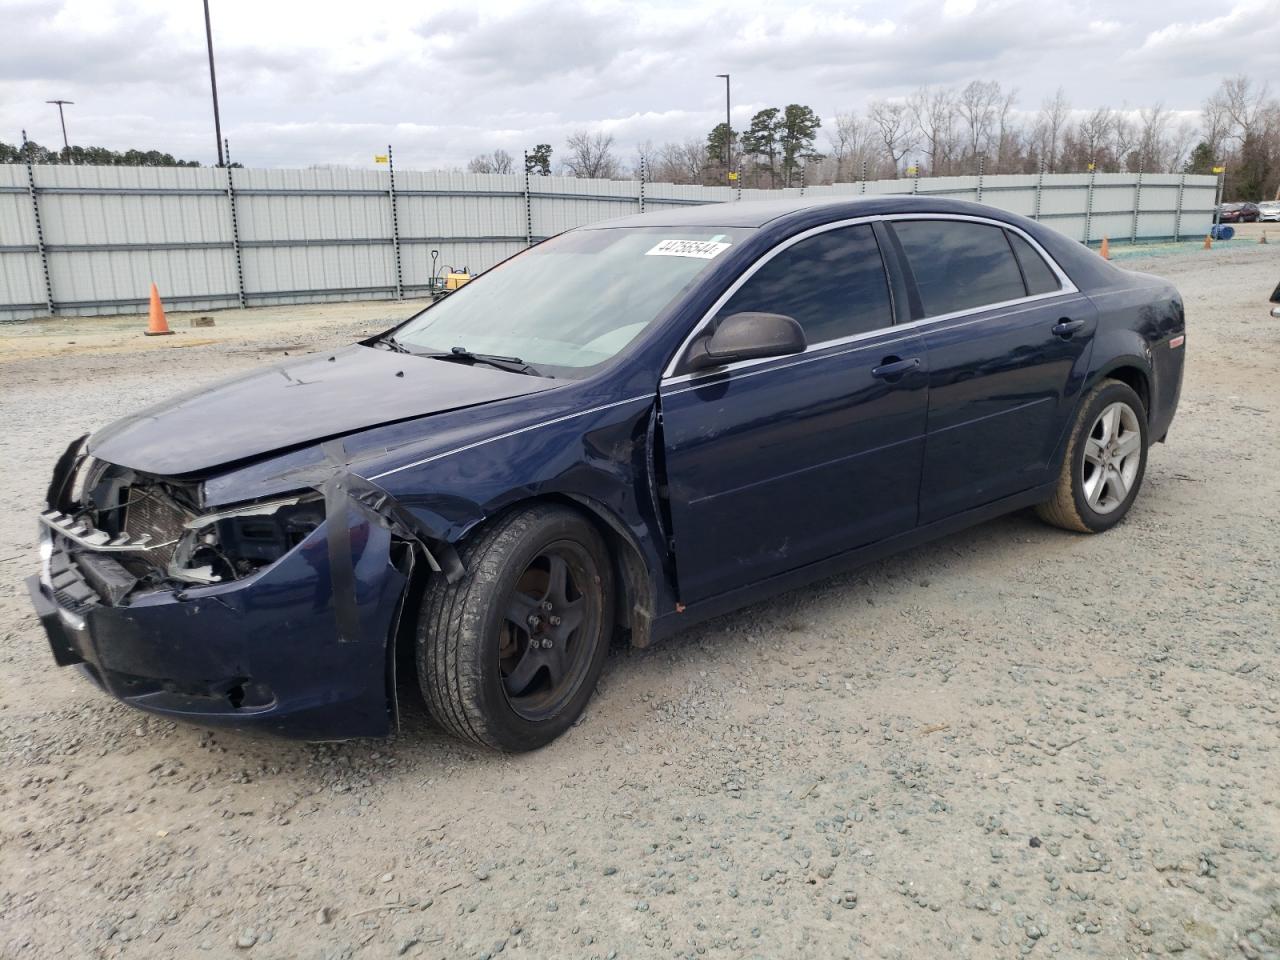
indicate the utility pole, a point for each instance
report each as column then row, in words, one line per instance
column 63, row 120
column 213, row 84
column 728, row 124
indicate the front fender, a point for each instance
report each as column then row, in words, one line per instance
column 598, row 460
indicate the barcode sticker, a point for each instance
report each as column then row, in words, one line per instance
column 699, row 249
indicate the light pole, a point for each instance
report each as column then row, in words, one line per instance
column 213, row 84
column 63, row 120
column 728, row 125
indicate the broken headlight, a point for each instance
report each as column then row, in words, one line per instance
column 88, row 472
column 232, row 544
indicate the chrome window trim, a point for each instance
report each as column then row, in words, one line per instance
column 669, row 376
column 856, row 342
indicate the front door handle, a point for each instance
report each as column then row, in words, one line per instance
column 893, row 368
column 1064, row 328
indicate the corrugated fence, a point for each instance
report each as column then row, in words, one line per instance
column 90, row 240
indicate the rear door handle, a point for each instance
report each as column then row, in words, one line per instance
column 1065, row 328
column 892, row 368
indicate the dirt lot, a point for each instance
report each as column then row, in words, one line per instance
column 1013, row 741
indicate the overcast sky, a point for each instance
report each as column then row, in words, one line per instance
column 320, row 81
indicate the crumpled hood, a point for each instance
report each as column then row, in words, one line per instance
column 302, row 401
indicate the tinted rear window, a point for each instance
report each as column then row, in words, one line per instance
column 959, row 265
column 1040, row 278
column 833, row 284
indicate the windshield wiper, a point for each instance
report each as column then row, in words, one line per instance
column 394, row 344
column 511, row 364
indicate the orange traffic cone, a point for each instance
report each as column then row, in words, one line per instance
column 1106, row 248
column 1208, row 242
column 157, row 325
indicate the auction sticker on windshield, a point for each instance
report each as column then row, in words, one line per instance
column 701, row 249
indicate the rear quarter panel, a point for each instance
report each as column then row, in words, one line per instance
column 1140, row 318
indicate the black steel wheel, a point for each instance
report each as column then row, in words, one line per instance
column 509, row 656
column 552, row 615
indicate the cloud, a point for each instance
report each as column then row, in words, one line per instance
column 550, row 41
column 1252, row 22
column 319, row 81
column 1210, row 46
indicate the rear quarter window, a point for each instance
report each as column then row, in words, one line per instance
column 959, row 265
column 1038, row 274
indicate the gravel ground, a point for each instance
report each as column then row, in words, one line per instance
column 1013, row 741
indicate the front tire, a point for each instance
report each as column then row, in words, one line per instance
column 510, row 654
column 1105, row 462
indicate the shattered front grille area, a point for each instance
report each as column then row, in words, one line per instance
column 151, row 512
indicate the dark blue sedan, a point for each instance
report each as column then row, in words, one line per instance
column 621, row 431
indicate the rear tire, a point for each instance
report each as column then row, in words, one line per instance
column 510, row 654
column 1105, row 462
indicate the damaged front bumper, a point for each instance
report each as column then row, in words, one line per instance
column 263, row 652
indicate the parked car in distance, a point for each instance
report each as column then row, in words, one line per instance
column 621, row 431
column 1269, row 210
column 1238, row 213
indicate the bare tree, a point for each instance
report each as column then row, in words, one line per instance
column 1216, row 122
column 1180, row 142
column 979, row 104
column 645, row 162
column 1094, row 132
column 1245, row 103
column 497, row 162
column 1124, row 138
column 1153, row 141
column 678, row 162
column 590, row 155
column 1009, row 143
column 1050, row 125
column 1254, row 126
column 933, row 111
column 840, row 136
column 892, row 120
column 853, row 146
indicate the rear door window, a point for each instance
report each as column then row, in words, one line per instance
column 833, row 284
column 1039, row 276
column 959, row 265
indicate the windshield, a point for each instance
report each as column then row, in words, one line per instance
column 572, row 302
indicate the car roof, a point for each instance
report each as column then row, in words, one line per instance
column 793, row 214
column 758, row 213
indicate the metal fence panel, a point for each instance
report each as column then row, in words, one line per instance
column 292, row 274
column 21, row 286
column 92, row 283
column 211, row 237
column 472, row 255
column 22, row 292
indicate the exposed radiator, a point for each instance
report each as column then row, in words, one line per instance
column 151, row 512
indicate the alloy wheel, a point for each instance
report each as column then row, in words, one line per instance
column 1112, row 457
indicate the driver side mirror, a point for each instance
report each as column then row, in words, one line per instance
column 747, row 336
